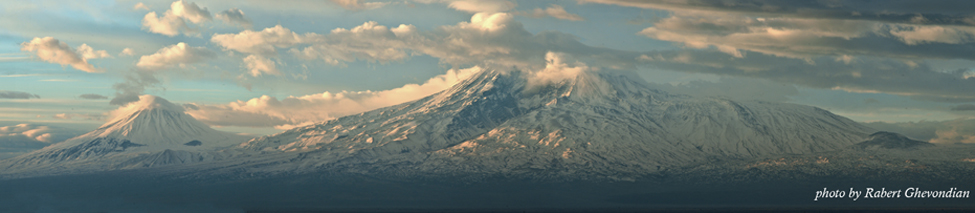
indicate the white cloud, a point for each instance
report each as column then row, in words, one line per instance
column 168, row 24
column 174, row 55
column 267, row 111
column 488, row 39
column 25, row 134
column 357, row 5
column 126, row 52
column 54, row 51
column 369, row 41
column 190, row 11
column 236, row 17
column 557, row 69
column 555, row 11
column 260, row 42
column 482, row 6
column 140, row 6
column 175, row 19
column 257, row 65
column 87, row 52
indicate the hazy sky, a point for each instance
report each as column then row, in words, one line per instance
column 263, row 66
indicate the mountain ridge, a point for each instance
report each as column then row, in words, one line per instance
column 603, row 123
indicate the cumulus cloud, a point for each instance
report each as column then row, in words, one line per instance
column 23, row 138
column 87, row 52
column 91, row 96
column 950, row 131
column 554, row 11
column 267, row 111
column 236, row 17
column 262, row 42
column 136, row 81
column 257, row 65
column 126, row 52
column 488, row 39
column 481, row 6
column 557, row 69
column 179, row 54
column 54, row 51
column 174, row 20
column 369, row 41
column 7, row 94
column 140, row 6
column 357, row 5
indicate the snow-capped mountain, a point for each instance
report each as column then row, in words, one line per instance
column 602, row 124
column 148, row 132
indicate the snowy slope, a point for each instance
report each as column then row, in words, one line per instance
column 599, row 124
column 149, row 132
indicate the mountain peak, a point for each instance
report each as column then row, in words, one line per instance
column 153, row 102
column 155, row 120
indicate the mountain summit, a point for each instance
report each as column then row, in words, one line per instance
column 151, row 126
column 601, row 124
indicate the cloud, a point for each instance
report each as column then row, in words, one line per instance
column 32, row 136
column 257, row 65
column 87, row 52
column 135, row 84
column 953, row 12
column 806, row 38
column 556, row 69
column 481, row 6
column 175, row 19
column 91, row 96
column 23, row 138
column 964, row 107
column 950, row 131
column 555, row 11
column 69, row 116
column 140, row 6
column 867, row 75
column 179, row 54
column 267, row 111
column 488, row 39
column 236, row 17
column 54, row 51
column 7, row 94
column 805, row 30
column 358, row 5
column 369, row 41
column 260, row 42
column 126, row 52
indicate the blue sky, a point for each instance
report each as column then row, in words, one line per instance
column 277, row 65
